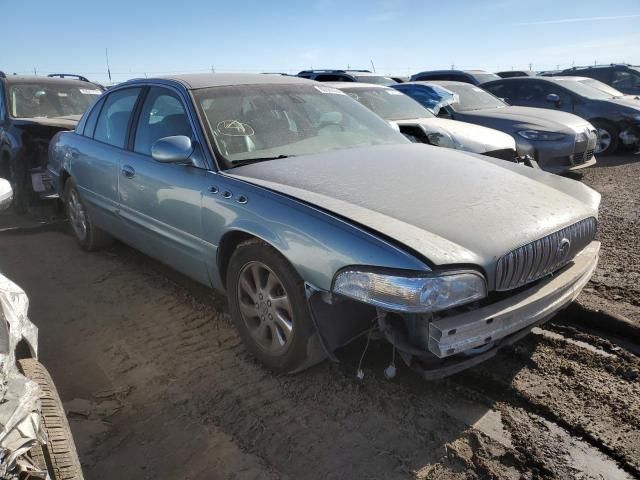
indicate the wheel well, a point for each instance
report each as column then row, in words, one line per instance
column 23, row 350
column 603, row 120
column 4, row 165
column 228, row 244
column 63, row 178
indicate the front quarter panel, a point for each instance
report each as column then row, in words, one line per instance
column 316, row 243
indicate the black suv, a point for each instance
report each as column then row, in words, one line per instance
column 616, row 118
column 366, row 76
column 623, row 77
column 32, row 110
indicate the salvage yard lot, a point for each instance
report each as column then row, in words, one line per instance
column 159, row 385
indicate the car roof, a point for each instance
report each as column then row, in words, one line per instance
column 20, row 79
column 194, row 81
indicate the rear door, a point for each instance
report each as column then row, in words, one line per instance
column 161, row 203
column 96, row 155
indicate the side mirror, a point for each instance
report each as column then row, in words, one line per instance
column 6, row 194
column 505, row 100
column 175, row 149
column 553, row 98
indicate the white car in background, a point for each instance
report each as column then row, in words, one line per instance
column 420, row 125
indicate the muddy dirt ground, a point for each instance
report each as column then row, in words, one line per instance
column 157, row 384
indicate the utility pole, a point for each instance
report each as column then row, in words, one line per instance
column 531, row 66
column 213, row 70
column 106, row 55
column 373, row 67
column 35, row 71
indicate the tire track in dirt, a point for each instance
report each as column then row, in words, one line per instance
column 201, row 402
column 590, row 396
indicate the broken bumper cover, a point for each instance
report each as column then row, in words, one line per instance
column 488, row 325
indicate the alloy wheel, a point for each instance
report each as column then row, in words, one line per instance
column 77, row 215
column 265, row 307
column 604, row 140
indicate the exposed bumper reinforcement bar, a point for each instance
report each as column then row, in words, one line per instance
column 468, row 330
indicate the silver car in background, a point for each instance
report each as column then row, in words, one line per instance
column 558, row 141
column 419, row 124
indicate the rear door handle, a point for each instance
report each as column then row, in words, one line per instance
column 128, row 171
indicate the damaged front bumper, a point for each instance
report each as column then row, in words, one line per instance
column 439, row 345
column 446, row 345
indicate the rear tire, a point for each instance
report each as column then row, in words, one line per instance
column 89, row 236
column 59, row 453
column 607, row 138
column 284, row 345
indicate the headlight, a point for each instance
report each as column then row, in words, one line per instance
column 541, row 135
column 441, row 139
column 419, row 294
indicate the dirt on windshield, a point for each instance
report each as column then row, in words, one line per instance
column 157, row 383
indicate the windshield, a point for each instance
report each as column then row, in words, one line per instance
column 601, row 86
column 376, row 79
column 583, row 89
column 32, row 100
column 265, row 122
column 473, row 98
column 390, row 104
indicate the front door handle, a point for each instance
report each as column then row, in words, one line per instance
column 128, row 171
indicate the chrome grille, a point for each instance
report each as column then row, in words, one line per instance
column 544, row 256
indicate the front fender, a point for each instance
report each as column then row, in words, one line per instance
column 316, row 243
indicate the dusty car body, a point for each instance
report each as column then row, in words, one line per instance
column 615, row 117
column 420, row 124
column 559, row 142
column 339, row 228
column 32, row 110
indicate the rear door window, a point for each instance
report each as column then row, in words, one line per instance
column 162, row 115
column 113, row 123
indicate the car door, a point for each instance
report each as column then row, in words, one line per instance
column 535, row 94
column 3, row 134
column 96, row 155
column 161, row 203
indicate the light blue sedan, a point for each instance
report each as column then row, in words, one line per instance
column 321, row 222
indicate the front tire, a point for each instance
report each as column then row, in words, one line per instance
column 269, row 307
column 89, row 236
column 607, row 138
column 59, row 453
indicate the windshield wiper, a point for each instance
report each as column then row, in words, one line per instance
column 249, row 161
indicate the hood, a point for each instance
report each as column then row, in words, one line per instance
column 471, row 138
column 629, row 101
column 519, row 118
column 68, row 122
column 448, row 206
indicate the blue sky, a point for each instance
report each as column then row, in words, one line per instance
column 399, row 36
